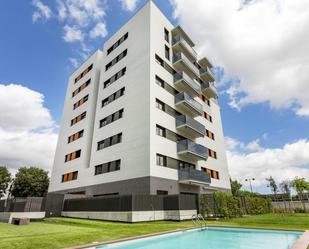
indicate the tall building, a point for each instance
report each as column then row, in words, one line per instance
column 141, row 116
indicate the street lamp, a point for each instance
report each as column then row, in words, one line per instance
column 249, row 180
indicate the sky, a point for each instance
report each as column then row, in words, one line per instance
column 259, row 48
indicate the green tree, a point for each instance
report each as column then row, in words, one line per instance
column 5, row 179
column 30, row 182
column 273, row 185
column 300, row 185
column 235, row 187
column 285, row 187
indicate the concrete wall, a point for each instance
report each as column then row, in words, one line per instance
column 135, row 216
column 7, row 217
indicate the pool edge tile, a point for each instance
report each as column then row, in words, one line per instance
column 302, row 242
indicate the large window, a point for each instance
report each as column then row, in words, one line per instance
column 69, row 176
column 82, row 87
column 75, row 136
column 210, row 134
column 161, row 160
column 78, row 118
column 117, row 43
column 110, row 141
column 111, row 118
column 72, row 156
column 213, row 173
column 165, row 161
column 160, row 131
column 80, row 102
column 166, row 35
column 107, row 167
column 212, row 153
column 116, row 59
column 115, row 77
column 113, row 97
column 166, row 86
column 167, row 52
column 83, row 73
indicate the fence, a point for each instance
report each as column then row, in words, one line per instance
column 28, row 204
column 291, row 206
column 131, row 203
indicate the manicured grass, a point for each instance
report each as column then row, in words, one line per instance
column 65, row 232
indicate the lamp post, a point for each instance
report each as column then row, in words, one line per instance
column 249, row 180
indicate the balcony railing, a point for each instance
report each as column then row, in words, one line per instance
column 178, row 39
column 181, row 58
column 207, row 74
column 188, row 148
column 209, row 89
column 193, row 176
column 186, row 83
column 188, row 104
column 190, row 125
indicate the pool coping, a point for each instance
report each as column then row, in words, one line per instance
column 301, row 243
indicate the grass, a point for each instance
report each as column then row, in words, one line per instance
column 65, row 232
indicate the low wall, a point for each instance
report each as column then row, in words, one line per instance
column 133, row 216
column 290, row 206
column 7, row 217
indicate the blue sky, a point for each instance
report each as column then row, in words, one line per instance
column 35, row 54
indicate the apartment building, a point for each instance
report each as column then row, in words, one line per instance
column 141, row 116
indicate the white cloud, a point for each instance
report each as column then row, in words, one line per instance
column 74, row 62
column 98, row 31
column 252, row 160
column 128, row 5
column 26, row 129
column 42, row 11
column 72, row 34
column 264, row 43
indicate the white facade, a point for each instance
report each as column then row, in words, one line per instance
column 140, row 144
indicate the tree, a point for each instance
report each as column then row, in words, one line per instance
column 300, row 186
column 30, row 182
column 273, row 185
column 235, row 187
column 5, row 180
column 285, row 187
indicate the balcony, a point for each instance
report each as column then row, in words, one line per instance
column 209, row 90
column 179, row 44
column 207, row 74
column 191, row 150
column 194, row 177
column 190, row 126
column 184, row 83
column 188, row 105
column 182, row 63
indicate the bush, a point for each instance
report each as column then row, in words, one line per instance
column 229, row 206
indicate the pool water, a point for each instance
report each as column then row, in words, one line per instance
column 214, row 238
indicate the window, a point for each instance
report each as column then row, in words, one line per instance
column 167, row 52
column 210, row 134
column 117, row 43
column 82, row 87
column 107, row 167
column 111, row 118
column 166, row 35
column 207, row 101
column 162, row 63
column 212, row 173
column 107, row 142
column 166, row 86
column 113, row 97
column 116, row 59
column 115, row 77
column 172, row 163
column 75, row 136
column 72, row 156
column 69, row 176
column 78, row 118
column 83, row 73
column 161, row 160
column 208, row 117
column 162, row 192
column 160, row 105
column 212, row 153
column 80, row 102
column 160, row 131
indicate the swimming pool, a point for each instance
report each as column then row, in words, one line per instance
column 214, row 238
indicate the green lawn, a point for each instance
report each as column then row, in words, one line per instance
column 64, row 232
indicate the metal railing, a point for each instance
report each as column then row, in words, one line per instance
column 207, row 70
column 198, row 220
column 180, row 39
column 182, row 96
column 192, row 123
column 192, row 83
column 189, row 146
column 193, row 175
column 180, row 56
